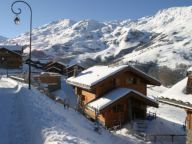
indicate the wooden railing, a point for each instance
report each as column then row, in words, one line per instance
column 154, row 137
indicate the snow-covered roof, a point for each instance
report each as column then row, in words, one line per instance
column 189, row 69
column 49, row 74
column 177, row 92
column 12, row 47
column 54, row 62
column 115, row 95
column 53, row 67
column 93, row 75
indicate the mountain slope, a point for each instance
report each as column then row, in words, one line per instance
column 2, row 39
column 164, row 38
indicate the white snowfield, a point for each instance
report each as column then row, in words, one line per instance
column 29, row 117
column 177, row 92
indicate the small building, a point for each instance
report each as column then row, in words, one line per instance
column 55, row 66
column 113, row 95
column 74, row 69
column 52, row 80
column 10, row 56
column 35, row 63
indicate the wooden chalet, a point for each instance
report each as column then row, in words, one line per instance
column 35, row 63
column 55, row 66
column 52, row 80
column 113, row 95
column 10, row 56
column 74, row 69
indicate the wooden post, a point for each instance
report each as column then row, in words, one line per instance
column 172, row 138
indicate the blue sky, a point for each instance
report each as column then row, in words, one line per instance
column 45, row 11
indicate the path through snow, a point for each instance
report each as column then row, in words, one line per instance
column 12, row 126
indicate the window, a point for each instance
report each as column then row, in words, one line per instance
column 118, row 108
column 131, row 80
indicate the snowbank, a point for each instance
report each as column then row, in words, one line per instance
column 45, row 121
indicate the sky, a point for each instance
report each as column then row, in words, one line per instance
column 46, row 11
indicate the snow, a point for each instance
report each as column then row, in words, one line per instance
column 27, row 116
column 93, row 75
column 49, row 74
column 2, row 38
column 164, row 38
column 67, row 93
column 113, row 96
column 177, row 92
column 189, row 69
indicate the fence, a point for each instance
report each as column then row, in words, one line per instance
column 165, row 138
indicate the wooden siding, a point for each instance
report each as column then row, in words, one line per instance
column 88, row 96
column 53, row 82
column 104, row 87
column 189, row 85
column 11, row 59
column 132, row 81
column 121, row 80
column 189, row 120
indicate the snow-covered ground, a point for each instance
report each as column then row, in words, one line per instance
column 178, row 92
column 29, row 117
column 170, row 119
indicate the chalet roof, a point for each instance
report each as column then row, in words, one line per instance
column 11, row 51
column 49, row 74
column 53, row 67
column 54, row 62
column 115, row 95
column 76, row 64
column 93, row 75
column 12, row 47
column 177, row 93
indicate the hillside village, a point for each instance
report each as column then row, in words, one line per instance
column 105, row 95
column 113, row 97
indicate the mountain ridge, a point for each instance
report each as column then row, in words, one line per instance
column 163, row 38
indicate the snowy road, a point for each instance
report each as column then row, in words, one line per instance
column 6, row 103
column 11, row 121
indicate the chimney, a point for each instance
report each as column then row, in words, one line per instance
column 75, row 71
column 189, row 81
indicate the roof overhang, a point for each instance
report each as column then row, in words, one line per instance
column 113, row 96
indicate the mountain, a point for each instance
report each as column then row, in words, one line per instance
column 164, row 39
column 2, row 39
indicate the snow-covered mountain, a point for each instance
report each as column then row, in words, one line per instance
column 2, row 38
column 164, row 38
